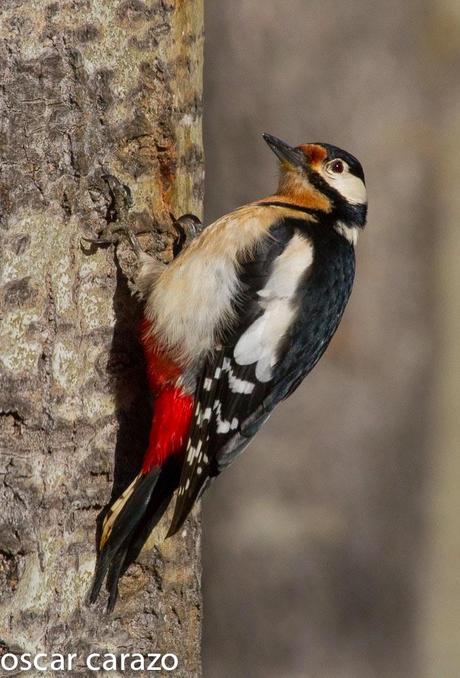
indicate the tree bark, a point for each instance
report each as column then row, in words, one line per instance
column 98, row 99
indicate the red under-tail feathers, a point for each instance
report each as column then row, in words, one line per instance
column 173, row 407
column 135, row 513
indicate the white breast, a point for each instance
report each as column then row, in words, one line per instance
column 260, row 342
column 191, row 300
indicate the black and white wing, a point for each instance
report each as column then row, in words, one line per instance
column 278, row 337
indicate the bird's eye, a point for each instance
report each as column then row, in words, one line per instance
column 336, row 166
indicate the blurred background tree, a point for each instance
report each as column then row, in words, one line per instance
column 332, row 546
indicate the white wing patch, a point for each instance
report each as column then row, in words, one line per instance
column 260, row 342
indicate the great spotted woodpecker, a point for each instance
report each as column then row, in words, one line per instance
column 231, row 327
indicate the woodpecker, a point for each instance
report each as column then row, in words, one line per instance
column 231, row 327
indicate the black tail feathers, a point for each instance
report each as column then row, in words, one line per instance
column 128, row 525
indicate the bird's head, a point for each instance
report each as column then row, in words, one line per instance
column 324, row 178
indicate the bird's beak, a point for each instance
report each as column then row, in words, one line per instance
column 283, row 151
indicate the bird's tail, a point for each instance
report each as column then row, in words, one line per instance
column 129, row 523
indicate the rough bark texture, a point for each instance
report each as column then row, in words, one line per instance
column 98, row 98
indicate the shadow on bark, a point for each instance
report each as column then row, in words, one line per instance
column 127, row 373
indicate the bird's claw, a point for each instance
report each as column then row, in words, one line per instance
column 113, row 235
column 187, row 228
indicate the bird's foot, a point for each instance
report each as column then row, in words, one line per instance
column 187, row 228
column 123, row 225
column 118, row 217
column 112, row 236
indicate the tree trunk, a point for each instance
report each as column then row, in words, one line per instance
column 100, row 106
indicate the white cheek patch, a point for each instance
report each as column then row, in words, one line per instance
column 349, row 186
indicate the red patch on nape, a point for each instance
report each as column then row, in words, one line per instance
column 315, row 154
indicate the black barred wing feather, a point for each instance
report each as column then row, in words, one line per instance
column 227, row 394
